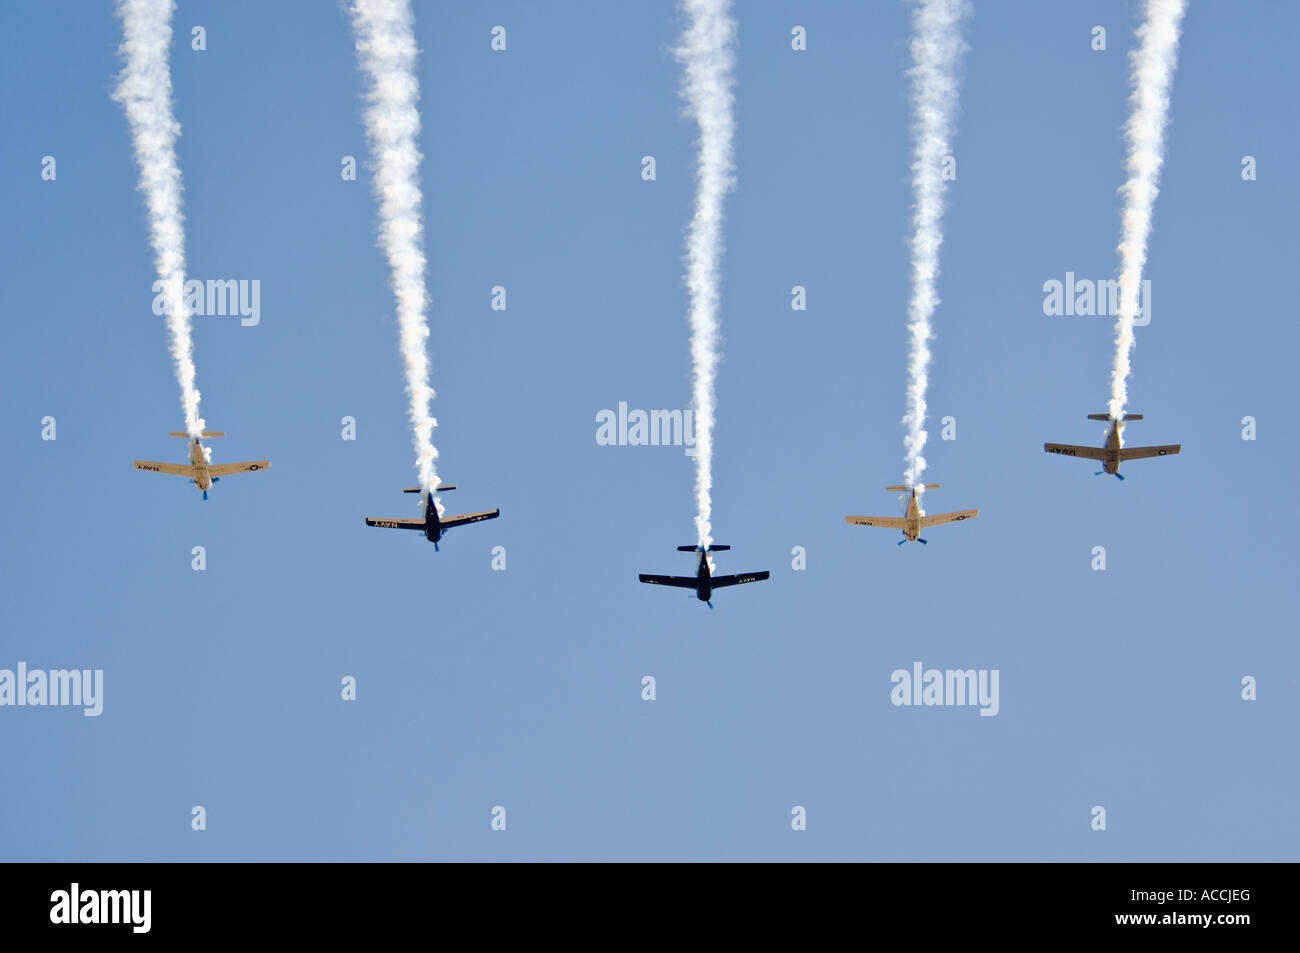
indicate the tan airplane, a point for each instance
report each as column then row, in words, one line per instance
column 1114, row 453
column 201, row 472
column 915, row 520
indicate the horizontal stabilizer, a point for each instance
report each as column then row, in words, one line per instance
column 206, row 433
column 419, row 489
column 908, row 489
column 1107, row 417
column 715, row 548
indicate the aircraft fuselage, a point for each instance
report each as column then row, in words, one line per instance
column 703, row 580
column 1111, row 463
column 199, row 461
column 913, row 516
column 432, row 525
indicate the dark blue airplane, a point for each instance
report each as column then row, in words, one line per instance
column 432, row 525
column 703, row 582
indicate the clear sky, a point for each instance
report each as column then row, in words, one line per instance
column 523, row 688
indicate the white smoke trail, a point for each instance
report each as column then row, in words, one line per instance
column 1153, row 66
column 387, row 52
column 145, row 91
column 936, row 55
column 708, row 57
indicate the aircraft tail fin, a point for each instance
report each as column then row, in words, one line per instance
column 205, row 434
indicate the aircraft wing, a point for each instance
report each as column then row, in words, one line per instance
column 396, row 524
column 225, row 469
column 885, row 522
column 1141, row 453
column 1068, row 450
column 939, row 519
column 450, row 521
column 679, row 582
column 175, row 469
column 739, row 579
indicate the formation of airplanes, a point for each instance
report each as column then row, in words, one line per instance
column 203, row 473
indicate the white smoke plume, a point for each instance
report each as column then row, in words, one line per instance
column 145, row 91
column 1153, row 65
column 936, row 56
column 386, row 49
column 708, row 57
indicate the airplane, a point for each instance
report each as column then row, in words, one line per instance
column 703, row 582
column 201, row 472
column 914, row 521
column 432, row 525
column 1114, row 453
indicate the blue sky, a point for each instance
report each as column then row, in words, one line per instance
column 522, row 688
